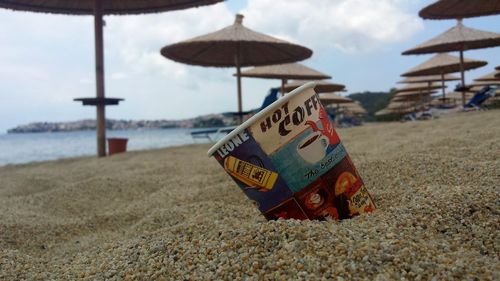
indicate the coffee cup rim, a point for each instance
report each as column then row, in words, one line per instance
column 306, row 139
column 280, row 101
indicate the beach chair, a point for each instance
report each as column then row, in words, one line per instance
column 212, row 134
column 270, row 98
column 480, row 97
column 425, row 115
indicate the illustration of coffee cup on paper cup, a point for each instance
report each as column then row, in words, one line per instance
column 289, row 160
column 313, row 148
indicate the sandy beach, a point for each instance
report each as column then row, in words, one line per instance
column 173, row 214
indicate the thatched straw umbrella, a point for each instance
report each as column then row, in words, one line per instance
column 480, row 84
column 488, row 77
column 457, row 96
column 459, row 9
column 401, row 107
column 235, row 46
column 458, row 38
column 428, row 79
column 454, row 98
column 322, row 86
column 98, row 8
column 354, row 108
column 442, row 64
column 413, row 97
column 417, row 87
column 284, row 72
column 387, row 111
column 382, row 112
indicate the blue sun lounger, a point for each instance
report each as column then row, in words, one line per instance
column 480, row 97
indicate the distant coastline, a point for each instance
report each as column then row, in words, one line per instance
column 211, row 120
column 371, row 101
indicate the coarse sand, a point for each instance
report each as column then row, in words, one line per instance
column 174, row 214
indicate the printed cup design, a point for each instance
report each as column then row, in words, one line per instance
column 313, row 149
column 289, row 160
column 250, row 174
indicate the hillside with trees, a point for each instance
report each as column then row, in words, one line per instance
column 373, row 101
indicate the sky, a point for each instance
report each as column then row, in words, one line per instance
column 48, row 60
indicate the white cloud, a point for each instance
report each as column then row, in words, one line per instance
column 118, row 76
column 86, row 80
column 348, row 25
column 138, row 39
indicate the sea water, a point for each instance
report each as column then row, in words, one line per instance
column 29, row 147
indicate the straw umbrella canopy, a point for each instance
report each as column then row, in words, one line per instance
column 488, row 77
column 458, row 9
column 354, row 108
column 332, row 98
column 428, row 79
column 387, row 111
column 477, row 88
column 98, row 8
column 400, row 106
column 417, row 87
column 284, row 72
column 384, row 111
column 411, row 97
column 415, row 97
column 235, row 46
column 442, row 64
column 458, row 38
column 457, row 96
column 478, row 84
column 414, row 93
column 322, row 86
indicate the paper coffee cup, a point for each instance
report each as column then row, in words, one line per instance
column 289, row 160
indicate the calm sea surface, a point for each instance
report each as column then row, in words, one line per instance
column 23, row 148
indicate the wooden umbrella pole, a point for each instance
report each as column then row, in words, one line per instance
column 238, row 77
column 429, row 87
column 442, row 85
column 99, row 67
column 283, row 82
column 462, row 76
